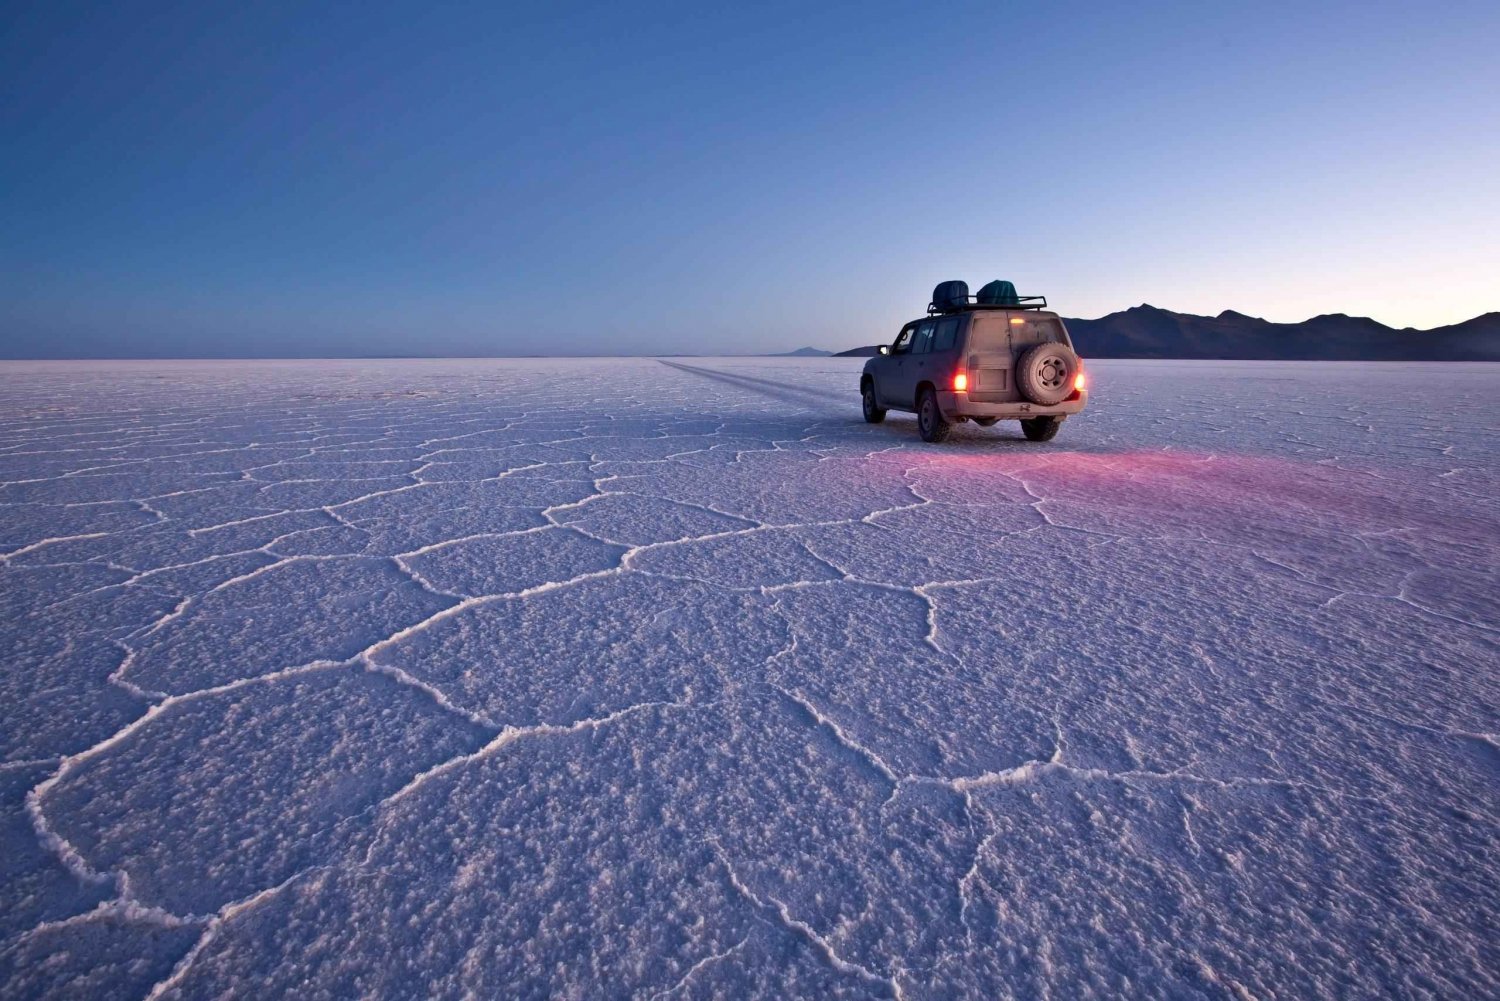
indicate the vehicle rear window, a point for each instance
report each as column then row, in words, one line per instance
column 947, row 333
column 1048, row 332
column 989, row 333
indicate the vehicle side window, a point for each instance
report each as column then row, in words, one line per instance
column 903, row 342
column 1047, row 332
column 947, row 332
column 923, row 343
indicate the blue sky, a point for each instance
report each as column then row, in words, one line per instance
column 388, row 178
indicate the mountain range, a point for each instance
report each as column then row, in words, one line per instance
column 1150, row 332
column 1147, row 331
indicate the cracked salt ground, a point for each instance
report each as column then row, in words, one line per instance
column 426, row 678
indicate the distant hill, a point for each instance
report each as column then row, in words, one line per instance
column 1149, row 332
column 802, row 353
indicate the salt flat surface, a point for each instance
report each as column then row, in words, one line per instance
column 627, row 678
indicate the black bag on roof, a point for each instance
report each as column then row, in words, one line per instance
column 950, row 295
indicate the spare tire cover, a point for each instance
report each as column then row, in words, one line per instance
column 1045, row 373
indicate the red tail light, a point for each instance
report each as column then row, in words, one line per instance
column 960, row 382
column 1079, row 382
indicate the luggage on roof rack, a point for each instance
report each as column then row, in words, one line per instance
column 953, row 297
column 998, row 293
column 949, row 295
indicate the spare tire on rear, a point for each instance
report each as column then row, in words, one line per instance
column 1046, row 372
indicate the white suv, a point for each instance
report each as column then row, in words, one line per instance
column 991, row 357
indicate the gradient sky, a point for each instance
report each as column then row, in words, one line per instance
column 280, row 179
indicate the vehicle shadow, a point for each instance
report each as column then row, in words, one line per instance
column 766, row 387
column 844, row 419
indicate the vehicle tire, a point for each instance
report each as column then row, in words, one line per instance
column 874, row 412
column 986, row 422
column 1040, row 428
column 1046, row 372
column 930, row 420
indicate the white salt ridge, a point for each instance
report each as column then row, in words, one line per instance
column 554, row 678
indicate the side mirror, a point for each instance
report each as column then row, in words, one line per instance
column 885, row 349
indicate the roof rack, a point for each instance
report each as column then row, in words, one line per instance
column 1021, row 302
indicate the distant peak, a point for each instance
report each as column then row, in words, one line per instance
column 1326, row 319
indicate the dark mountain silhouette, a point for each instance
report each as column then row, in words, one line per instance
column 801, row 353
column 1149, row 332
column 865, row 352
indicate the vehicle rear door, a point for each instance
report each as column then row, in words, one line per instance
column 991, row 357
column 946, row 357
column 889, row 370
column 913, row 366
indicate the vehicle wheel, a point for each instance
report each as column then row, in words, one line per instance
column 874, row 412
column 986, row 422
column 1046, row 372
column 1041, row 428
column 930, row 419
